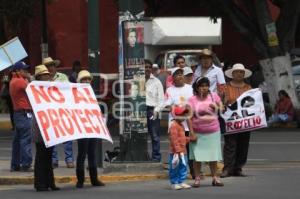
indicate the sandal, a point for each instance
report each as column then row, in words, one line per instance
column 217, row 183
column 197, row 182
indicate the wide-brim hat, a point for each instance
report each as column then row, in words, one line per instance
column 84, row 74
column 238, row 66
column 40, row 70
column 206, row 53
column 48, row 61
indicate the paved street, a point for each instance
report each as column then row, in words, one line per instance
column 263, row 183
column 273, row 172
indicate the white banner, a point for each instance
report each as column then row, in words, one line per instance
column 246, row 114
column 66, row 111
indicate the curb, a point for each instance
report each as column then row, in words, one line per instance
column 5, row 125
column 9, row 180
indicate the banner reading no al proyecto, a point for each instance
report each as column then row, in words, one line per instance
column 66, row 111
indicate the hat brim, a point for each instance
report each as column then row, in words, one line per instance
column 42, row 73
column 55, row 62
column 228, row 72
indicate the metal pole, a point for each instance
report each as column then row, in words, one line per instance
column 93, row 57
column 44, row 42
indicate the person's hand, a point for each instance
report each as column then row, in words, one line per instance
column 193, row 137
column 155, row 115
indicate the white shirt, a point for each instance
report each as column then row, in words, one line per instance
column 178, row 96
column 154, row 93
column 214, row 74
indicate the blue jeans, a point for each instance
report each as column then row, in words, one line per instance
column 178, row 174
column 68, row 148
column 278, row 118
column 154, row 131
column 21, row 145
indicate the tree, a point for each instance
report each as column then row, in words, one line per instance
column 13, row 13
column 271, row 38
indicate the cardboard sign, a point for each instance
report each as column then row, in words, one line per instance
column 246, row 114
column 11, row 52
column 66, row 111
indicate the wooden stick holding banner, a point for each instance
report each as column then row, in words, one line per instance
column 246, row 114
column 66, row 111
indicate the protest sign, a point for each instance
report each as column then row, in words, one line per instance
column 11, row 52
column 66, row 111
column 246, row 114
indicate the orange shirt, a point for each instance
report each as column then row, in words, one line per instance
column 233, row 92
column 17, row 93
column 177, row 137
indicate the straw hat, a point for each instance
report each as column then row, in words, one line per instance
column 48, row 60
column 238, row 66
column 40, row 70
column 206, row 52
column 83, row 74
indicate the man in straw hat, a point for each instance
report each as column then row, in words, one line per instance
column 43, row 171
column 21, row 146
column 236, row 145
column 211, row 71
column 52, row 65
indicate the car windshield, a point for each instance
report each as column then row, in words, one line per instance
column 296, row 70
column 191, row 58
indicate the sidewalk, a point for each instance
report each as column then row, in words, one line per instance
column 67, row 175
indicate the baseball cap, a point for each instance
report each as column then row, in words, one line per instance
column 20, row 65
column 187, row 70
column 175, row 69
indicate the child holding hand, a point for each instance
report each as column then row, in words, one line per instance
column 178, row 158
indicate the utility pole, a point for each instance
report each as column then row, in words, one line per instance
column 93, row 58
column 133, row 142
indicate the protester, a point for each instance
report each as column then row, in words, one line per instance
column 75, row 70
column 178, row 61
column 284, row 109
column 178, row 141
column 215, row 75
column 154, row 103
column 188, row 75
column 59, row 77
column 43, row 171
column 21, row 146
column 178, row 94
column 6, row 97
column 205, row 125
column 212, row 72
column 86, row 146
column 236, row 145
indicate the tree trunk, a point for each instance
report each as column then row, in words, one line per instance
column 278, row 76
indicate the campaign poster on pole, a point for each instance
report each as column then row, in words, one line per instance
column 135, row 115
column 66, row 111
column 246, row 114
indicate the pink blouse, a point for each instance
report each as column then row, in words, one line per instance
column 205, row 119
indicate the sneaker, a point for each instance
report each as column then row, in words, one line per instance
column 185, row 186
column 26, row 169
column 176, row 187
column 55, row 165
column 70, row 165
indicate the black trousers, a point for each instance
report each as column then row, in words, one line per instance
column 43, row 171
column 86, row 146
column 235, row 151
